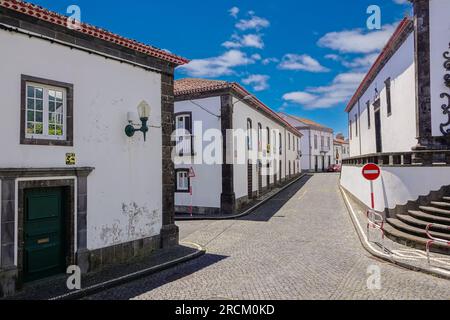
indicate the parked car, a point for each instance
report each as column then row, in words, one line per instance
column 334, row 168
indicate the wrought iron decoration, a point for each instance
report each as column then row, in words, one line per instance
column 446, row 107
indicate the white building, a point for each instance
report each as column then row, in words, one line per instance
column 75, row 189
column 225, row 109
column 341, row 148
column 316, row 145
column 399, row 118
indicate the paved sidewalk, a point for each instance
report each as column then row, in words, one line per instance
column 299, row 245
column 55, row 288
column 244, row 211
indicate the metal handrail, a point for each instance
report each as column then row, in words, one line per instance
column 433, row 239
column 375, row 221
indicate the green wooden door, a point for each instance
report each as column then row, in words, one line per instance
column 43, row 234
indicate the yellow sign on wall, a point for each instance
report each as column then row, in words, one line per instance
column 70, row 159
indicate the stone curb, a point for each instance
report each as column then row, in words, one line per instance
column 132, row 276
column 243, row 214
column 385, row 257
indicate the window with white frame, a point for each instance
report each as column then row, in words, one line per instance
column 45, row 115
column 183, row 180
column 183, row 126
column 46, row 112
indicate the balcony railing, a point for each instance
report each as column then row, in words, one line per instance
column 414, row 158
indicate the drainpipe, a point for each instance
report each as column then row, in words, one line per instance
column 359, row 127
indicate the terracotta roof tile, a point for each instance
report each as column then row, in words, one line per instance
column 195, row 86
column 58, row 19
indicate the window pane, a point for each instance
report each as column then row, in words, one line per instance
column 39, row 104
column 51, row 95
column 39, row 93
column 51, row 106
column 30, row 91
column 30, row 104
column 39, row 128
column 38, row 117
column 59, row 107
column 59, row 96
column 30, row 116
column 30, row 127
column 58, row 130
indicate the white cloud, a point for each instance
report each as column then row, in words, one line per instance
column 259, row 82
column 362, row 62
column 333, row 57
column 255, row 22
column 301, row 62
column 339, row 91
column 256, row 56
column 217, row 66
column 234, row 12
column 401, row 1
column 267, row 61
column 248, row 40
column 357, row 40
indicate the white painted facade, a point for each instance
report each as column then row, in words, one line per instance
column 398, row 130
column 207, row 183
column 316, row 145
column 289, row 157
column 124, row 190
column 341, row 151
column 203, row 194
column 396, row 186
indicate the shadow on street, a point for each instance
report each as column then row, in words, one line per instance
column 141, row 286
column 271, row 207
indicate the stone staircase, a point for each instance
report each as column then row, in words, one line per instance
column 410, row 228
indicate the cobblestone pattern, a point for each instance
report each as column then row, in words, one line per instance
column 300, row 245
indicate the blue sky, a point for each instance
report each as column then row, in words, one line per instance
column 303, row 57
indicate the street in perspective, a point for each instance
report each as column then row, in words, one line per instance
column 243, row 161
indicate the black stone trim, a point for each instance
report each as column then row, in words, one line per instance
column 169, row 231
column 13, row 173
column 13, row 278
column 69, row 112
column 198, row 210
column 78, row 40
column 96, row 260
column 423, row 70
column 228, row 197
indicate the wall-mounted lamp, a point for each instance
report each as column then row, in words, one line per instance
column 144, row 114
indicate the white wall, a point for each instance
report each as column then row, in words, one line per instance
column 396, row 186
column 241, row 113
column 439, row 43
column 399, row 129
column 124, row 191
column 207, row 185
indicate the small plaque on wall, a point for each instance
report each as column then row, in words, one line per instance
column 70, row 159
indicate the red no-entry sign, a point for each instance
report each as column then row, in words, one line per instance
column 371, row 172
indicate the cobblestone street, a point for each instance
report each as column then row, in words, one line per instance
column 299, row 245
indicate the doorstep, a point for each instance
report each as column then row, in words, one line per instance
column 248, row 209
column 55, row 288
